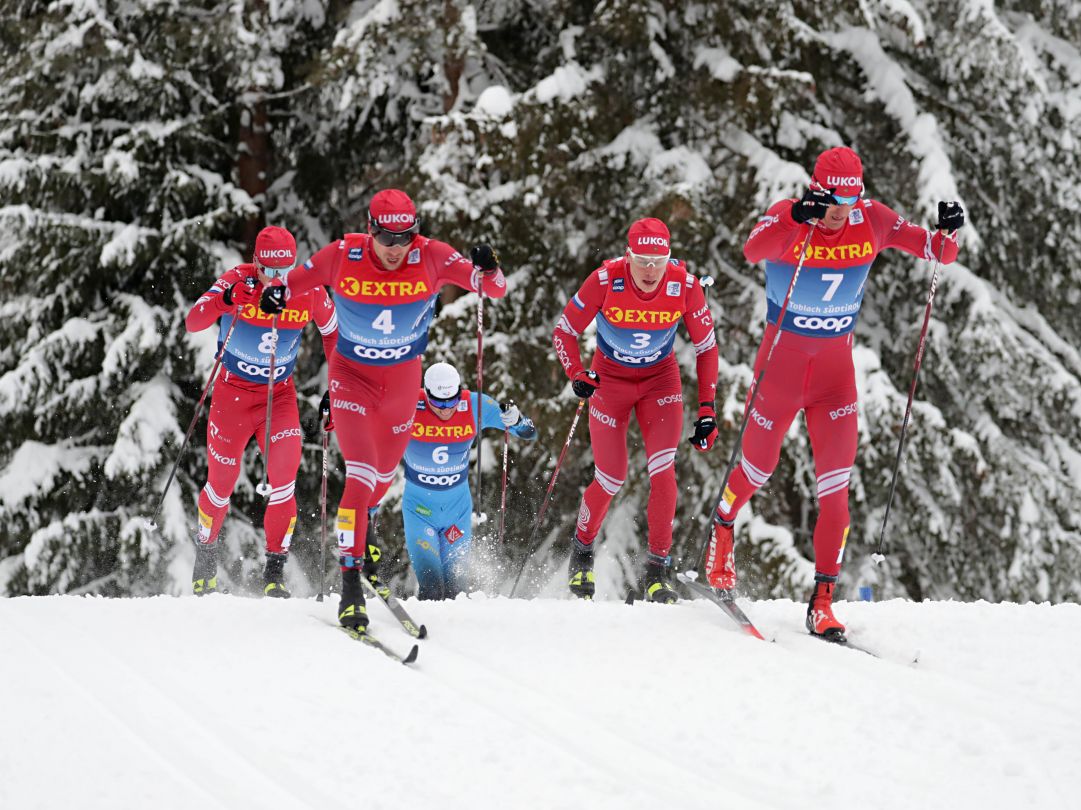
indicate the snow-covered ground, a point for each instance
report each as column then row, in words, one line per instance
column 226, row 702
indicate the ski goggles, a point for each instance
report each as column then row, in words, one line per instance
column 647, row 259
column 274, row 272
column 840, row 199
column 393, row 238
column 448, row 402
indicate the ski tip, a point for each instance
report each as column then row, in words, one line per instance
column 423, row 632
column 413, row 653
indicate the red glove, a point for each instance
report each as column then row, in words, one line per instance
column 241, row 293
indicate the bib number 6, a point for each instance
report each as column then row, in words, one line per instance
column 440, row 454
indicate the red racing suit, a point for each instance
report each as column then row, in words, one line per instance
column 811, row 367
column 384, row 318
column 638, row 371
column 238, row 405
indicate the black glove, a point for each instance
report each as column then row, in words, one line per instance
column 273, row 300
column 585, row 383
column 950, row 216
column 484, row 258
column 812, row 205
column 324, row 405
column 705, row 433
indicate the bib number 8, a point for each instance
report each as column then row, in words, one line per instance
column 268, row 343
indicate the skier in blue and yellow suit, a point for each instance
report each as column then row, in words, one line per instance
column 437, row 506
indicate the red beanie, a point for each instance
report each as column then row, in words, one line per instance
column 275, row 247
column 649, row 237
column 839, row 171
column 392, row 210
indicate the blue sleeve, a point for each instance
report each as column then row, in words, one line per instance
column 490, row 413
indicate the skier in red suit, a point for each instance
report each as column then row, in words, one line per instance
column 638, row 301
column 811, row 367
column 239, row 403
column 385, row 283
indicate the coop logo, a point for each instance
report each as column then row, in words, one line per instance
column 822, row 324
column 848, row 410
column 356, row 254
column 281, row 434
column 371, row 353
column 603, row 418
column 260, row 371
column 439, row 480
column 670, row 400
column 218, row 457
column 346, row 405
column 618, row 285
column 760, row 420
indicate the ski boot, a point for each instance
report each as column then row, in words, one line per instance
column 820, row 618
column 352, row 613
column 582, row 582
column 274, row 576
column 721, row 557
column 372, row 554
column 656, row 586
column 204, row 576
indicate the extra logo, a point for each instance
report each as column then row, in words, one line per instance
column 822, row 324
column 630, row 359
column 620, row 316
column 383, row 289
column 261, row 371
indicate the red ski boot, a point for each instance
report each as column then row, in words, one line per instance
column 820, row 618
column 720, row 557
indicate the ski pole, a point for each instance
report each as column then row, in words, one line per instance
column 754, row 394
column 323, row 511
column 878, row 556
column 480, row 385
column 503, row 495
column 547, row 496
column 152, row 521
column 264, row 487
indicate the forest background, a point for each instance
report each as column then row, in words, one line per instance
column 144, row 143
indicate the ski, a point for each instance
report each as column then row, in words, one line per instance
column 395, row 607
column 366, row 638
column 844, row 641
column 725, row 601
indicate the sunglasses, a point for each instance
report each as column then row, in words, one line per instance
column 841, row 200
column 647, row 260
column 393, row 238
column 449, row 402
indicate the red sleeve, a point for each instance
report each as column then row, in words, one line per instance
column 319, row 271
column 774, row 233
column 326, row 319
column 210, row 306
column 451, row 267
column 577, row 315
column 699, row 324
column 893, row 231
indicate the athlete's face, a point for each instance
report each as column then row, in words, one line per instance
column 646, row 271
column 390, row 256
column 443, row 413
column 836, row 216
